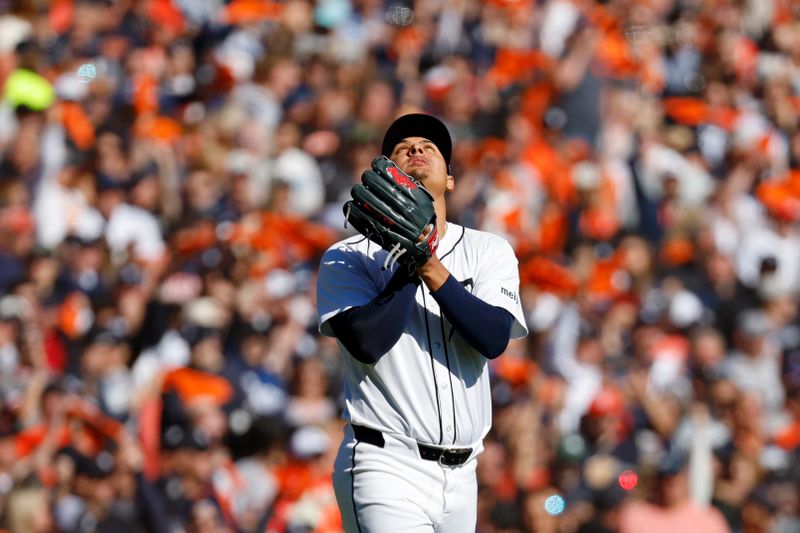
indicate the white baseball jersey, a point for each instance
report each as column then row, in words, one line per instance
column 432, row 386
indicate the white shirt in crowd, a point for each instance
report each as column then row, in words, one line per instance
column 62, row 211
column 133, row 226
column 301, row 172
column 584, row 380
column 765, row 242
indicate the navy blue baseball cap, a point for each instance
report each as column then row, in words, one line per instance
column 418, row 125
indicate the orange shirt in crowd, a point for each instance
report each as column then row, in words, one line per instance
column 85, row 428
column 302, row 481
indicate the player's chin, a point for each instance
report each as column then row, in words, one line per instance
column 418, row 174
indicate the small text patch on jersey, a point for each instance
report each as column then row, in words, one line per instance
column 510, row 294
column 401, row 178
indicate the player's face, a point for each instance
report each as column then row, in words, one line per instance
column 420, row 158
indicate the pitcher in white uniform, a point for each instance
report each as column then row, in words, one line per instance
column 415, row 347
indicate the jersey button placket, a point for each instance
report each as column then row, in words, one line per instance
column 447, row 407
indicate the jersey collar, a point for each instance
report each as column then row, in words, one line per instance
column 449, row 239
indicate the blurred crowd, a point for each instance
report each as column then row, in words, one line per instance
column 172, row 170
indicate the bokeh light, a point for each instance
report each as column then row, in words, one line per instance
column 399, row 15
column 554, row 505
column 628, row 479
column 86, row 73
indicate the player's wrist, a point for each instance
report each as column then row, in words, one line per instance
column 433, row 273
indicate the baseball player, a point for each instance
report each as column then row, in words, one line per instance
column 418, row 305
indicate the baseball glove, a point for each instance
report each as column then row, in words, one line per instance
column 395, row 211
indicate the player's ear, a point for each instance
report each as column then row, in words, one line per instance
column 451, row 183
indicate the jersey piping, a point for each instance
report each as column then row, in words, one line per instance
column 353, row 486
column 450, row 375
column 460, row 238
column 446, row 340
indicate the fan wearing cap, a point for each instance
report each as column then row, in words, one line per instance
column 415, row 340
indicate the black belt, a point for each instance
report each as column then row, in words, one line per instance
column 445, row 456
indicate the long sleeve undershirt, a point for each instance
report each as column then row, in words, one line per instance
column 487, row 328
column 369, row 331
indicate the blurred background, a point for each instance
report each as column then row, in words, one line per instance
column 172, row 170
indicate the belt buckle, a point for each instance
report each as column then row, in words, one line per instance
column 442, row 457
column 456, row 453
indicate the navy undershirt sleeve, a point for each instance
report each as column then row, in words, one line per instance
column 487, row 328
column 369, row 331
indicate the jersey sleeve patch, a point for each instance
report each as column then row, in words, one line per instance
column 498, row 283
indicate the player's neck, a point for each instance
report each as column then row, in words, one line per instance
column 441, row 218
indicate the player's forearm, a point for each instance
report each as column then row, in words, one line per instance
column 485, row 327
column 369, row 331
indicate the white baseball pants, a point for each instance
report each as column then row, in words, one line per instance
column 393, row 490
